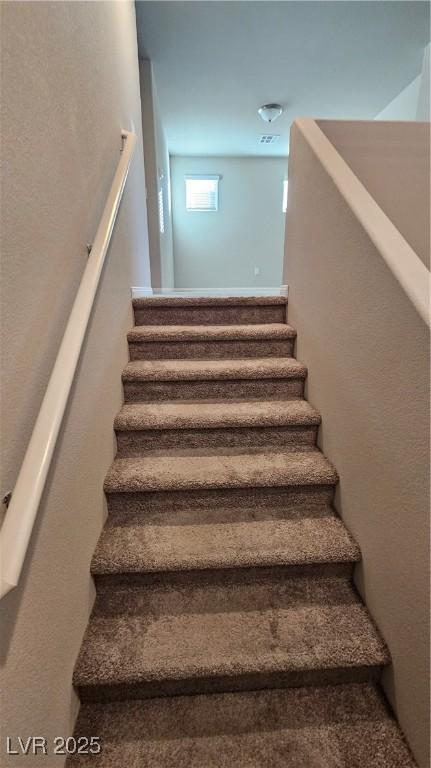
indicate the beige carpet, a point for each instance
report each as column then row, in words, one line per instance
column 226, row 629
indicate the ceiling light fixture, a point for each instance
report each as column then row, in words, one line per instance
column 270, row 112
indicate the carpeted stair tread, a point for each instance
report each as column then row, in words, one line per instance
column 217, row 414
column 188, row 310
column 219, row 470
column 207, row 333
column 162, row 633
column 340, row 726
column 135, row 546
column 204, row 370
column 192, row 301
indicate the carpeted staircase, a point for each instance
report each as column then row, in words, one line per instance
column 223, row 570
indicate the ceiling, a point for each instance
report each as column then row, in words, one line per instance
column 216, row 62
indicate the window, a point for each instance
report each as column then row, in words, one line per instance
column 285, row 185
column 202, row 193
column 161, row 212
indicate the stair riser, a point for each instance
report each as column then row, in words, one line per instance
column 289, row 501
column 268, row 389
column 136, row 443
column 246, row 682
column 110, row 587
column 211, row 350
column 211, row 315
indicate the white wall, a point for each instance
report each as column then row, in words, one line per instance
column 221, row 249
column 423, row 108
column 367, row 352
column 164, row 176
column 404, row 105
column 413, row 102
column 157, row 176
column 69, row 84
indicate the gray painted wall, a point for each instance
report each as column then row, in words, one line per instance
column 221, row 249
column 70, row 83
column 367, row 352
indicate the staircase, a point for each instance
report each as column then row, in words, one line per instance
column 223, row 570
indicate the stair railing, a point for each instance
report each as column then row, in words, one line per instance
column 23, row 501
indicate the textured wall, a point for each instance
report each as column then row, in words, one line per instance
column 70, row 83
column 221, row 250
column 367, row 353
column 392, row 160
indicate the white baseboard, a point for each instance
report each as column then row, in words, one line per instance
column 140, row 293
column 251, row 291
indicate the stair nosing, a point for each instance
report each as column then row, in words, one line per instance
column 130, row 545
column 197, row 674
column 228, row 567
column 132, row 416
column 152, row 334
column 146, row 370
column 287, row 658
column 330, row 477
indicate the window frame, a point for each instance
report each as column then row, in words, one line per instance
column 203, row 177
column 285, row 194
column 161, row 209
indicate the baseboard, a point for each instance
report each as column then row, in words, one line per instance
column 142, row 292
column 251, row 291
column 139, row 293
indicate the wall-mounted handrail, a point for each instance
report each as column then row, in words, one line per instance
column 22, row 510
column 402, row 260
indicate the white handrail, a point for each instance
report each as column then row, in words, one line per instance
column 402, row 260
column 22, row 510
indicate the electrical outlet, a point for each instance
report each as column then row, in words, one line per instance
column 256, row 271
